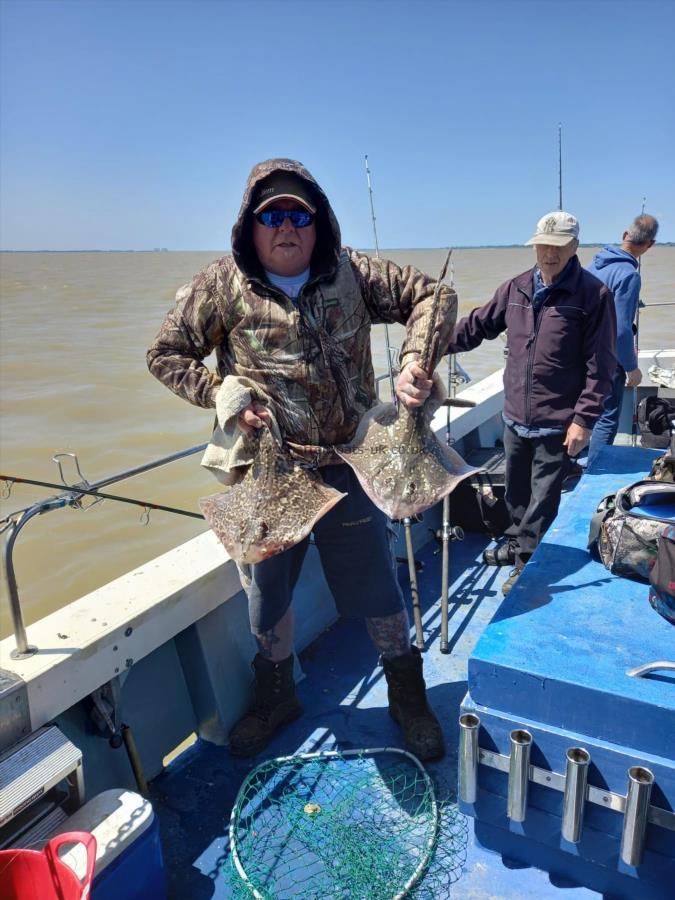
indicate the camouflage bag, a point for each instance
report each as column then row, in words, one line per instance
column 625, row 530
column 662, row 576
column 663, row 467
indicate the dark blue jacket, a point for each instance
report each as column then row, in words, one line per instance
column 560, row 366
column 618, row 269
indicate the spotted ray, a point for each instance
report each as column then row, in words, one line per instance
column 273, row 508
column 398, row 459
column 400, row 462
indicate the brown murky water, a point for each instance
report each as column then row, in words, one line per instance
column 74, row 328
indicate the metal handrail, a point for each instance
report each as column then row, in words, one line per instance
column 68, row 498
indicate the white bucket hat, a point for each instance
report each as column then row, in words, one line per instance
column 555, row 228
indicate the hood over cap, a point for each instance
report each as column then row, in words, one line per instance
column 327, row 248
column 609, row 255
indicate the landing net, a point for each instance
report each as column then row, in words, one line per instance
column 340, row 824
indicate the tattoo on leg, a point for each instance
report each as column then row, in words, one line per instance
column 276, row 644
column 390, row 634
column 267, row 643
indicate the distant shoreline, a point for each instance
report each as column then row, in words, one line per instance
column 363, row 249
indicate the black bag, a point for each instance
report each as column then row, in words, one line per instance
column 654, row 415
column 477, row 504
column 625, row 530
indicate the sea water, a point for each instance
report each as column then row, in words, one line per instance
column 74, row 330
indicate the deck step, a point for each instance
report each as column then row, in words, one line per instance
column 35, row 837
column 34, row 766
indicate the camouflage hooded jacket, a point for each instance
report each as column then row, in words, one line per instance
column 312, row 358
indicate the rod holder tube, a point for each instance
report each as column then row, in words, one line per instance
column 640, row 782
column 468, row 757
column 519, row 774
column 574, row 798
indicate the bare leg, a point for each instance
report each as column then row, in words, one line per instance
column 390, row 634
column 277, row 643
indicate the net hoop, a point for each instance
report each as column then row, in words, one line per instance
column 333, row 754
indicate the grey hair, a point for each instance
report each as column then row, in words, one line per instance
column 643, row 230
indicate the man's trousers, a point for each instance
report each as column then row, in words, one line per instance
column 535, row 471
column 355, row 541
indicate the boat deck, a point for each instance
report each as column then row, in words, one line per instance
column 344, row 696
column 556, row 661
column 579, row 629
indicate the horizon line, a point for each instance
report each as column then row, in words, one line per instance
column 363, row 249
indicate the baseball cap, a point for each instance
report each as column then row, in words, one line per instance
column 556, row 228
column 283, row 186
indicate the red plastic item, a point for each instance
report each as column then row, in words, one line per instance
column 40, row 875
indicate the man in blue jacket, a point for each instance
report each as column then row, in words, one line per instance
column 561, row 334
column 618, row 268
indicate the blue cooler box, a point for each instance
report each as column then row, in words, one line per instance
column 129, row 862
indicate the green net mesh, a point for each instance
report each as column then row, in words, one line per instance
column 350, row 824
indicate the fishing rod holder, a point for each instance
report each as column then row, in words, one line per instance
column 76, row 500
column 468, row 757
column 574, row 798
column 640, row 783
column 635, row 805
column 16, row 521
column 519, row 774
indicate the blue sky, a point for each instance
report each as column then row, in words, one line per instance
column 132, row 125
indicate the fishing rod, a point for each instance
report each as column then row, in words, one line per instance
column 377, row 256
column 426, row 363
column 407, row 521
column 448, row 532
column 74, row 492
column 15, row 522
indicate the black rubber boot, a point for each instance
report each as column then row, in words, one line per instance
column 275, row 704
column 409, row 707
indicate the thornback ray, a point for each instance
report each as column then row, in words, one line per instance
column 399, row 461
column 272, row 509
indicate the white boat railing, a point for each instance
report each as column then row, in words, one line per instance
column 15, row 521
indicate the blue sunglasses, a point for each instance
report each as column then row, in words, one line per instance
column 275, row 218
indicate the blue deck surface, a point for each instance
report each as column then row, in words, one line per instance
column 554, row 661
column 344, row 696
column 566, row 635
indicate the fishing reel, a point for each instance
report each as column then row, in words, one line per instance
column 446, row 533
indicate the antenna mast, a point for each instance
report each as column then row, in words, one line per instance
column 636, row 325
column 560, row 206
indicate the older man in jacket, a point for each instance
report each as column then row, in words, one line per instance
column 561, row 334
column 289, row 315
